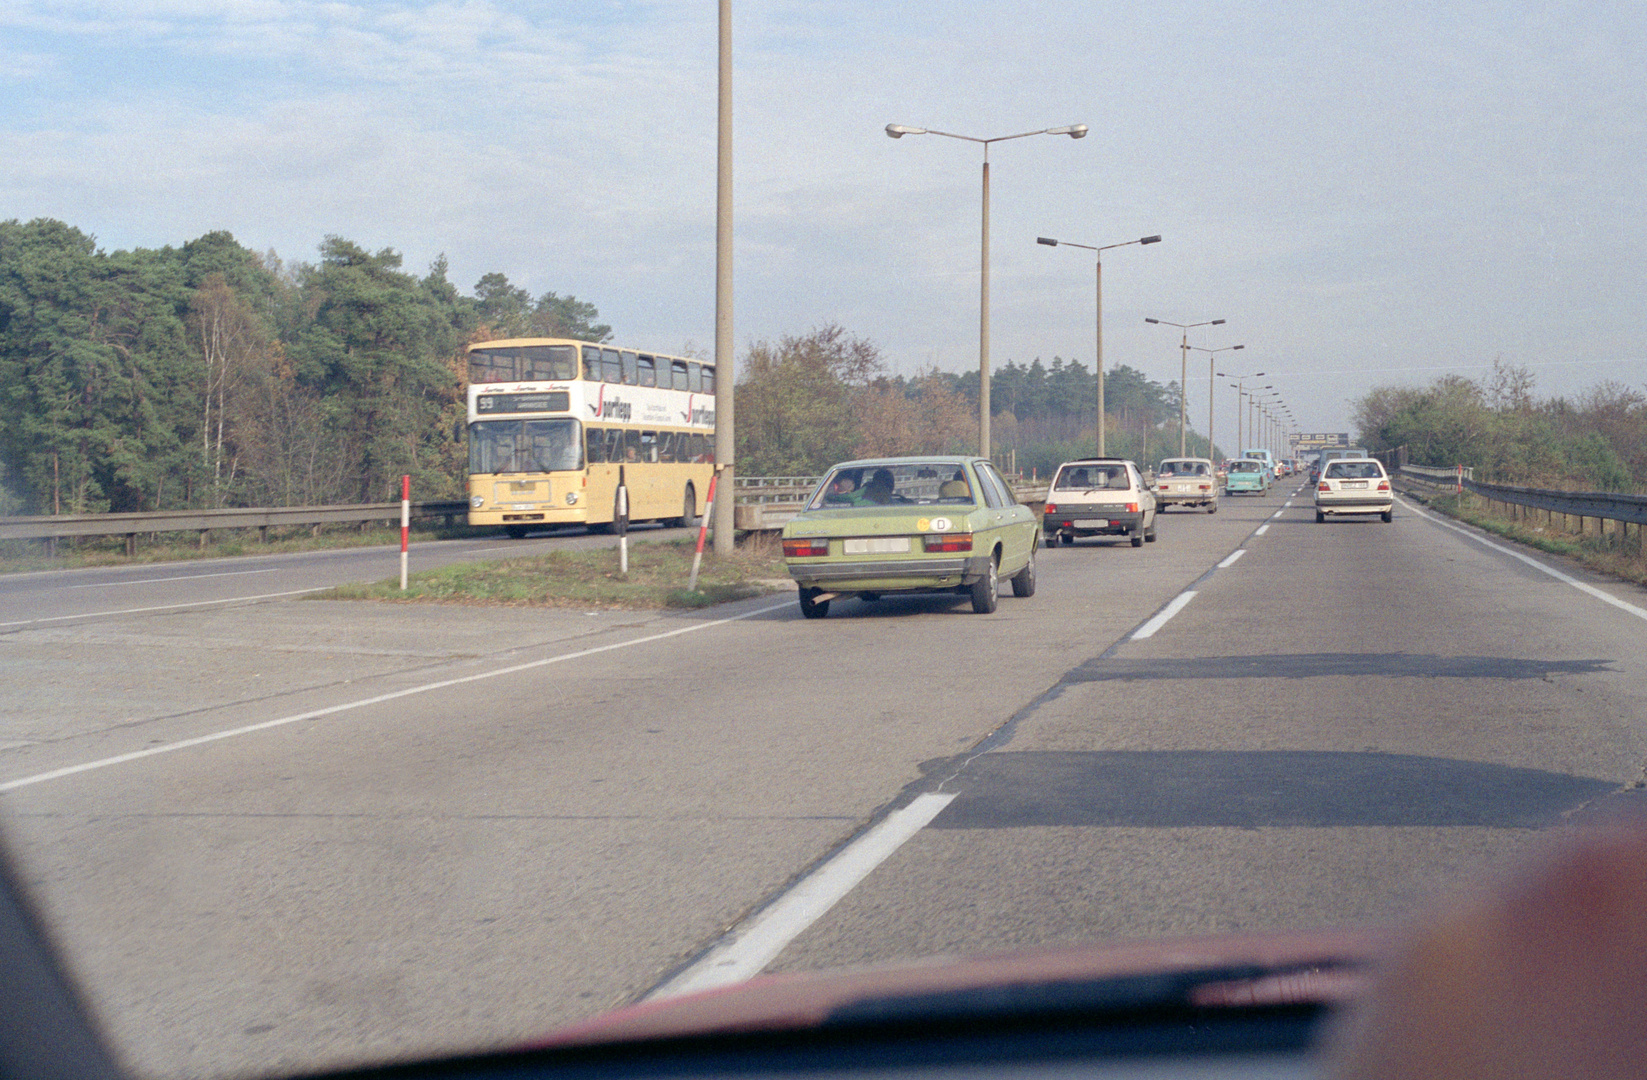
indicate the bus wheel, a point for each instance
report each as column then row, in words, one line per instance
column 689, row 509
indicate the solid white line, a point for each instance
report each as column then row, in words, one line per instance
column 1178, row 604
column 1581, row 586
column 1262, row 529
column 315, row 714
column 758, row 944
column 179, row 577
column 164, row 607
column 1229, row 560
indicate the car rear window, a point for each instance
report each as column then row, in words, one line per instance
column 1355, row 470
column 1091, row 477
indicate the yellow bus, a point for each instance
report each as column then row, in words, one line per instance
column 552, row 422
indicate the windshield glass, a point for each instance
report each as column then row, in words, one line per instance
column 657, row 657
column 524, row 446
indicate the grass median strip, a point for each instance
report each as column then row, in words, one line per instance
column 658, row 573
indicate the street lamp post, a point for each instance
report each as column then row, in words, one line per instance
column 898, row 131
column 1098, row 339
column 1212, row 362
column 1183, row 374
column 1240, row 388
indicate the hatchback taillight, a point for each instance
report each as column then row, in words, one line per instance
column 1132, row 508
column 805, row 549
column 947, row 542
column 1383, row 485
column 1323, row 486
column 1052, row 508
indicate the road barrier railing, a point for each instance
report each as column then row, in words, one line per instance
column 54, row 527
column 1575, row 509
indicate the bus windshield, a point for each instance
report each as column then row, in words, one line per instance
column 518, row 446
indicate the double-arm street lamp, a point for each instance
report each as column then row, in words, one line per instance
column 1183, row 375
column 1098, row 339
column 898, row 131
column 1240, row 387
column 1212, row 362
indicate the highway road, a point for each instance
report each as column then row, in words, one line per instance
column 276, row 833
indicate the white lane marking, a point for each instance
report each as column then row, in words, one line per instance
column 1262, row 529
column 1177, row 604
column 1581, row 586
column 1229, row 560
column 164, row 607
column 315, row 714
column 758, row 944
column 1278, row 513
column 179, row 577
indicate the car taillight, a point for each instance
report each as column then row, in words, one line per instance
column 1132, row 508
column 1383, row 485
column 1206, row 487
column 805, row 549
column 1323, row 486
column 947, row 542
column 1052, row 508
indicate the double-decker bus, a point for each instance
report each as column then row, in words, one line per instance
column 552, row 422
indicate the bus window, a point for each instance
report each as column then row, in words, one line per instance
column 708, row 379
column 611, row 366
column 649, row 446
column 648, row 371
column 595, row 438
column 677, row 374
column 492, row 365
column 630, row 363
column 547, row 362
column 694, row 377
column 668, row 448
column 591, row 364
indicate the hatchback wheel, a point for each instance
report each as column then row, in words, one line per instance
column 1388, row 515
column 1320, row 518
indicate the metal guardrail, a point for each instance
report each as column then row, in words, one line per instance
column 1602, row 505
column 54, row 527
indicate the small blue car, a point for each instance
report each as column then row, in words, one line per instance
column 1247, row 475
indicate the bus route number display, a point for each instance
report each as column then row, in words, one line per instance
column 551, row 401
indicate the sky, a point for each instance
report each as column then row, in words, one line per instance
column 1367, row 194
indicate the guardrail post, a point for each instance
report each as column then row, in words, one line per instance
column 204, row 533
column 131, row 545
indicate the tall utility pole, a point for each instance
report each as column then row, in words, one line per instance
column 1183, row 373
column 725, row 438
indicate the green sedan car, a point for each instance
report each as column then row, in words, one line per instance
column 911, row 525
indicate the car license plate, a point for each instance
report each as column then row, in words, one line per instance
column 1355, row 483
column 1091, row 523
column 876, row 545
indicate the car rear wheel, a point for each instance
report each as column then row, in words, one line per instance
column 986, row 591
column 1388, row 515
column 811, row 608
column 1212, row 508
column 1023, row 582
column 1149, row 534
column 1320, row 518
column 1138, row 539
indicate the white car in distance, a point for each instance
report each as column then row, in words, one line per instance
column 1354, row 486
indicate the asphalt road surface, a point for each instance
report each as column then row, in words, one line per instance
column 280, row 834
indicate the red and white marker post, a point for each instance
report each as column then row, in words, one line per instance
column 405, row 525
column 703, row 529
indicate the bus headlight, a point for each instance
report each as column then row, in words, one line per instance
column 571, row 498
column 477, row 501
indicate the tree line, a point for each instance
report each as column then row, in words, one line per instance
column 211, row 375
column 1596, row 441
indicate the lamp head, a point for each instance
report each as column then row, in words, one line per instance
column 1074, row 131
column 1150, row 240
column 898, row 131
column 1047, row 240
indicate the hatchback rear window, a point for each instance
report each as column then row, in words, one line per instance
column 1090, row 477
column 1355, row 470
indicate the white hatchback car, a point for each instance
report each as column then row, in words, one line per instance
column 1099, row 497
column 1354, row 486
column 1186, row 482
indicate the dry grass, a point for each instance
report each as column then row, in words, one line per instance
column 657, row 578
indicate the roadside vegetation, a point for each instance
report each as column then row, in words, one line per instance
column 657, row 578
column 1594, row 442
